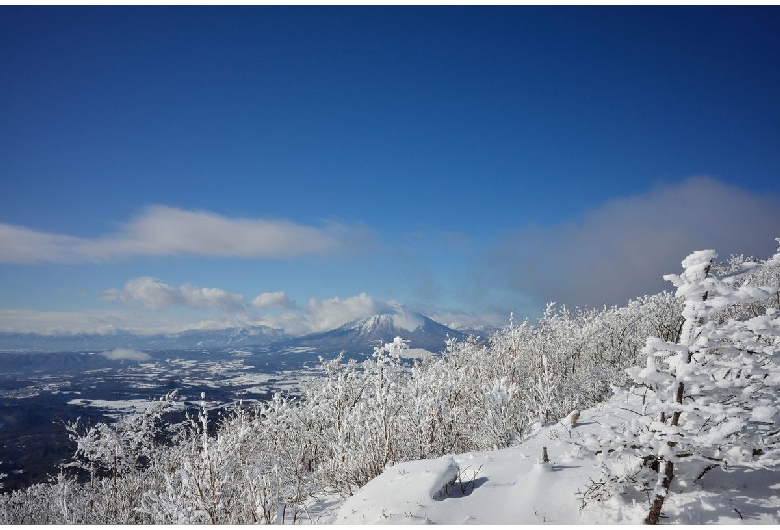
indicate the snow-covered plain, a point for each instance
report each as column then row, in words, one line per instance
column 513, row 486
column 119, row 408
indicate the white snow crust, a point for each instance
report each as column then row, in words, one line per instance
column 512, row 486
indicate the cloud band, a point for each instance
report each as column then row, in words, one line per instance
column 165, row 231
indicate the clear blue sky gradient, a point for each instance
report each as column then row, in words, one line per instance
column 443, row 132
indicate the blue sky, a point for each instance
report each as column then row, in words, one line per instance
column 162, row 168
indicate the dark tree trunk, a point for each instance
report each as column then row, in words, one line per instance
column 658, row 502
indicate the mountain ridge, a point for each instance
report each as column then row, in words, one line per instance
column 188, row 339
column 357, row 336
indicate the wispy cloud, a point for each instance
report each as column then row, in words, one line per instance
column 333, row 312
column 126, row 354
column 166, row 231
column 157, row 296
column 278, row 299
column 322, row 315
column 622, row 248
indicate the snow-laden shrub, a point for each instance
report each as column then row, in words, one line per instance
column 359, row 420
column 711, row 394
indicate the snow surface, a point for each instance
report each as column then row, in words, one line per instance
column 512, row 486
column 120, row 408
column 415, row 353
column 396, row 318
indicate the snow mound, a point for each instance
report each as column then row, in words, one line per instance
column 405, row 488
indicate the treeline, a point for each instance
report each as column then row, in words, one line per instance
column 271, row 462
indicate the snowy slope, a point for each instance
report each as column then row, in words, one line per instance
column 511, row 486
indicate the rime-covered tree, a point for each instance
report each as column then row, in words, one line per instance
column 713, row 393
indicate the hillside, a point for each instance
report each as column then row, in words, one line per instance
column 511, row 486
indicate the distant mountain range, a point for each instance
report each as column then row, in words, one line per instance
column 186, row 340
column 358, row 336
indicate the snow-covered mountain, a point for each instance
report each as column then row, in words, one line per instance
column 360, row 336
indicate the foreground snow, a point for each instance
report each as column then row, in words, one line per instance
column 513, row 486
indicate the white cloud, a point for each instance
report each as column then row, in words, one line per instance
column 204, row 297
column 157, row 296
column 152, row 294
column 323, row 315
column 277, row 299
column 333, row 312
column 165, row 231
column 22, row 245
column 623, row 248
column 124, row 354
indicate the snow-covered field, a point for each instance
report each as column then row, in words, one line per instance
column 513, row 486
column 119, row 408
